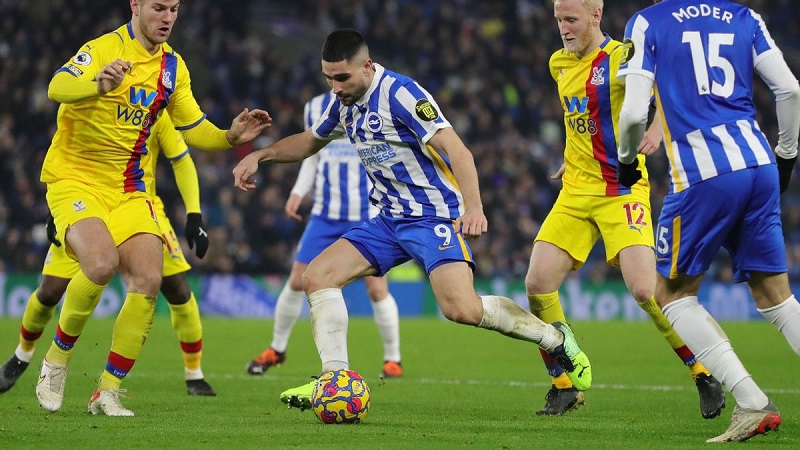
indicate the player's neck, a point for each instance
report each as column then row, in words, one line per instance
column 144, row 42
column 597, row 41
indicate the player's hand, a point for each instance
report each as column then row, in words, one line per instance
column 51, row 231
column 651, row 141
column 292, row 206
column 559, row 173
column 247, row 126
column 628, row 174
column 244, row 171
column 196, row 234
column 111, row 75
column 785, row 169
column 471, row 224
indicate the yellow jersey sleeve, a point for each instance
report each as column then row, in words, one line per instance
column 183, row 107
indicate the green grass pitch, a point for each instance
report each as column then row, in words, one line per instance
column 463, row 388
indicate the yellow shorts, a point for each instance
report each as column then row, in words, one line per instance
column 576, row 222
column 58, row 264
column 125, row 214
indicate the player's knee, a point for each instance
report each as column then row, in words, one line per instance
column 377, row 293
column 642, row 293
column 463, row 314
column 100, row 270
column 49, row 296
column 536, row 284
column 147, row 283
column 176, row 290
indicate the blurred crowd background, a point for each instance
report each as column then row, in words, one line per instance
column 486, row 63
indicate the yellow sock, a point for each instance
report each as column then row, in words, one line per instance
column 698, row 368
column 186, row 322
column 34, row 319
column 672, row 338
column 81, row 298
column 548, row 308
column 130, row 332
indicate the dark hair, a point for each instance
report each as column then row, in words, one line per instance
column 342, row 45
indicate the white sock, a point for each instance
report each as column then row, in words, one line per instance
column 287, row 310
column 501, row 314
column 23, row 355
column 196, row 374
column 388, row 320
column 703, row 335
column 329, row 327
column 786, row 317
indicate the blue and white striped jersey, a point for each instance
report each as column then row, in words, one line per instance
column 341, row 186
column 701, row 54
column 390, row 126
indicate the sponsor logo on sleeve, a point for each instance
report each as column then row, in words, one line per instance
column 73, row 69
column 426, row 111
column 627, row 51
column 82, row 59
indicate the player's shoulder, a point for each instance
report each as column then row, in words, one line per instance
column 114, row 39
column 560, row 59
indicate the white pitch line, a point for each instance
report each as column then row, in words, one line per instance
column 512, row 383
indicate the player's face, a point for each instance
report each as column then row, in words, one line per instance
column 349, row 80
column 155, row 18
column 576, row 24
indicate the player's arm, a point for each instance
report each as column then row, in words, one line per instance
column 473, row 223
column 776, row 73
column 652, row 138
column 302, row 186
column 632, row 123
column 244, row 128
column 289, row 149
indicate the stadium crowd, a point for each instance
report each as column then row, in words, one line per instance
column 484, row 62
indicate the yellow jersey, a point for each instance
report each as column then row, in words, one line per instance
column 591, row 97
column 101, row 141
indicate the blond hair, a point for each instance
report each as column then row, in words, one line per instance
column 589, row 4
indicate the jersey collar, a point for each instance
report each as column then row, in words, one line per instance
column 376, row 80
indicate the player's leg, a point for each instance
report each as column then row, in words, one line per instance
column 777, row 304
column 184, row 312
column 323, row 280
column 549, row 266
column 288, row 307
column 554, row 255
column 387, row 317
column 760, row 252
column 693, row 226
column 452, row 284
column 185, row 315
column 135, row 228
column 38, row 312
column 94, row 248
column 638, row 266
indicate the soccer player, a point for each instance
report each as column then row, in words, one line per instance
column 341, row 188
column 426, row 185
column 59, row 269
column 592, row 203
column 726, row 186
column 112, row 93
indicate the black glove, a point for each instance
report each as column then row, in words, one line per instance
column 785, row 169
column 628, row 174
column 51, row 231
column 196, row 234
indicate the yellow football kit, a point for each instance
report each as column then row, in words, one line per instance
column 165, row 138
column 592, row 203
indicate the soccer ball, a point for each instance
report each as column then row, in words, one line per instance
column 340, row 396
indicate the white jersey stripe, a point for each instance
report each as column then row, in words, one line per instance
column 755, row 144
column 732, row 150
column 702, row 155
